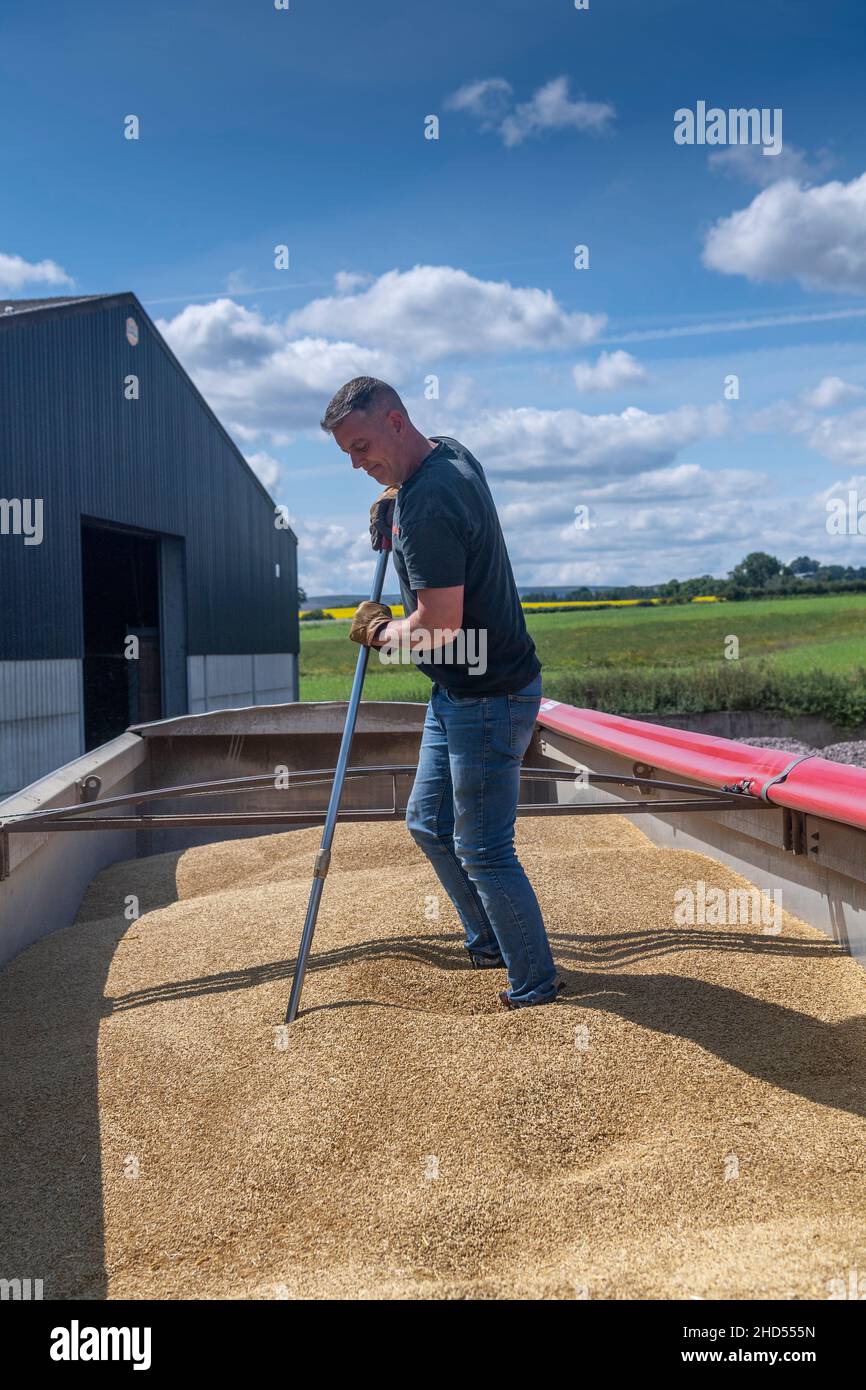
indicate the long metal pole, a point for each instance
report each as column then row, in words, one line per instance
column 323, row 858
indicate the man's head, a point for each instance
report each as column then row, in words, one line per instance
column 371, row 424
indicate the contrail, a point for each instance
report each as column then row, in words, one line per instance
column 737, row 326
column 237, row 294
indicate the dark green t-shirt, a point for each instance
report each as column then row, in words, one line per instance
column 447, row 532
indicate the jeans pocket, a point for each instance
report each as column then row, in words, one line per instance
column 523, row 717
column 461, row 700
column 530, row 694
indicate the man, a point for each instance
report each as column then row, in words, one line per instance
column 460, row 599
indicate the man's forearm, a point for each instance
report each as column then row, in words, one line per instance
column 401, row 631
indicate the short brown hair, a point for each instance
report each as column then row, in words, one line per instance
column 365, row 393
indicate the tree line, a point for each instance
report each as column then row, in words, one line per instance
column 758, row 575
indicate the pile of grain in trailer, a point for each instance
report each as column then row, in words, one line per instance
column 689, row 1121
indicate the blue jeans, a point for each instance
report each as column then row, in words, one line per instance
column 461, row 812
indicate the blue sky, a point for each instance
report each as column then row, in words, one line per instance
column 409, row 257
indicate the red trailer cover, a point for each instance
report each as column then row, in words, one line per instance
column 833, row 790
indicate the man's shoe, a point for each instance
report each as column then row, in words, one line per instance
column 486, row 962
column 507, row 1004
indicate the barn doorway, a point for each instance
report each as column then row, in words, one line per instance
column 122, row 658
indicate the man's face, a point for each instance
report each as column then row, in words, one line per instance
column 373, row 443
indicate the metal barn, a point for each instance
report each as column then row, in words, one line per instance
column 145, row 571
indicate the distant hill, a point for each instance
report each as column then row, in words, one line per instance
column 555, row 591
column 346, row 600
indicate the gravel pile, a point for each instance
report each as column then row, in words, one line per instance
column 853, row 752
column 793, row 746
column 688, row 1122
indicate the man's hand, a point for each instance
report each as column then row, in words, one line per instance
column 368, row 621
column 382, row 519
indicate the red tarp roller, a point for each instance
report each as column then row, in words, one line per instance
column 833, row 790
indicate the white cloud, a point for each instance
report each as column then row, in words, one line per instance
column 221, row 334
column 461, row 393
column 268, row 376
column 839, row 438
column 257, row 374
column 842, row 439
column 550, row 108
column 680, row 521
column 612, row 370
column 347, row 281
column 439, row 311
column 831, row 391
column 488, row 99
column 816, row 236
column 526, row 443
column 15, row 273
column 748, row 162
column 649, row 520
column 520, row 505
column 334, row 556
column 247, row 434
column 681, row 483
column 857, row 483
column 843, row 489
column 266, row 469
column 676, row 522
column 785, row 417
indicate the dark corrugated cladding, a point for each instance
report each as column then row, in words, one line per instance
column 162, row 463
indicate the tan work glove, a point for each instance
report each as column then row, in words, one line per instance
column 369, row 620
column 382, row 519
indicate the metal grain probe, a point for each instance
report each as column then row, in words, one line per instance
column 323, row 858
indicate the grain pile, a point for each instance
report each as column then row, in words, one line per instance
column 688, row 1122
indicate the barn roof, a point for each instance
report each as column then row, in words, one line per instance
column 14, row 311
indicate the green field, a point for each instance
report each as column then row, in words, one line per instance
column 798, row 655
